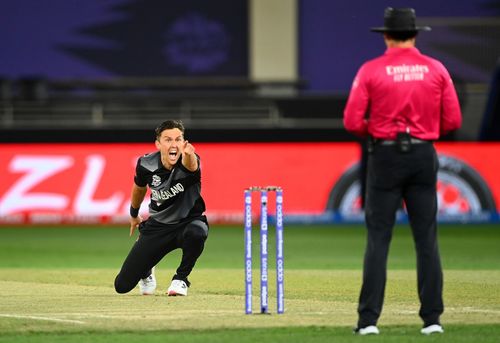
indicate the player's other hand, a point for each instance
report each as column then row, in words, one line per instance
column 134, row 223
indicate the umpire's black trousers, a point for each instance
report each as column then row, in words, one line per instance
column 154, row 242
column 393, row 176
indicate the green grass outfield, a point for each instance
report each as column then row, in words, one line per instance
column 56, row 285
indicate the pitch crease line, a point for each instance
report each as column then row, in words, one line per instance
column 41, row 318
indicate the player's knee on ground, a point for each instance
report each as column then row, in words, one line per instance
column 123, row 286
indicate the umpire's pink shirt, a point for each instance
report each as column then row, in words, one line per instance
column 402, row 89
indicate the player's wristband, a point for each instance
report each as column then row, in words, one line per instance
column 134, row 212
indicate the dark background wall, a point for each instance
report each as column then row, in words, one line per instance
column 94, row 38
column 335, row 37
column 67, row 41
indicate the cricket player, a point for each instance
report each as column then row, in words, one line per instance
column 176, row 213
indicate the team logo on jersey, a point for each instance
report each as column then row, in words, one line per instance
column 156, row 181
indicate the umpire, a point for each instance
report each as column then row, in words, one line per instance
column 401, row 102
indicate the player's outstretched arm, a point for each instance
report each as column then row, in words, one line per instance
column 189, row 159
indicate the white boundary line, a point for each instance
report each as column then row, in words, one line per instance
column 41, row 318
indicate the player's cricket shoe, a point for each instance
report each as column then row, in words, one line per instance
column 177, row 287
column 434, row 328
column 147, row 286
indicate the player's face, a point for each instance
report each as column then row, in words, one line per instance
column 170, row 144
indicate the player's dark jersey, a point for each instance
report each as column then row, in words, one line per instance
column 175, row 194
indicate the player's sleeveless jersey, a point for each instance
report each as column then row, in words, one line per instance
column 175, row 194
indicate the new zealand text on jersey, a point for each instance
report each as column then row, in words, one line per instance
column 167, row 194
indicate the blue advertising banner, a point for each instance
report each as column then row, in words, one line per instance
column 61, row 39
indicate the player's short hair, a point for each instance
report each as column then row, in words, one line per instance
column 169, row 125
column 401, row 36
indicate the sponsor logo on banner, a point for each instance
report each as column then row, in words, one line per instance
column 91, row 183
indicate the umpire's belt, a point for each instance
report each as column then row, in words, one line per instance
column 392, row 142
